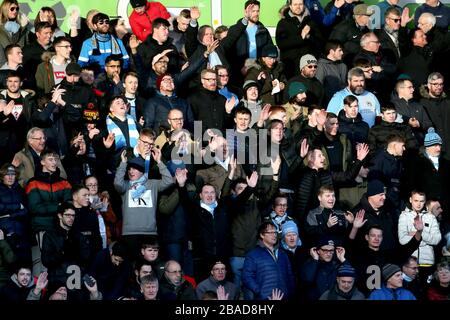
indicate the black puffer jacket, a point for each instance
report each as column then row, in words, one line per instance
column 379, row 133
column 355, row 129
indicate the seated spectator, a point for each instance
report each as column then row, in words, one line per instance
column 216, row 279
column 21, row 286
column 345, row 288
column 391, row 288
column 351, row 123
column 439, row 289
column 173, row 286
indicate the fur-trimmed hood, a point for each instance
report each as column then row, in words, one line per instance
column 424, row 93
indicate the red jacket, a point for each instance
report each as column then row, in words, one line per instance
column 141, row 24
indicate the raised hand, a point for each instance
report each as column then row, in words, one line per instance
column 109, row 140
column 304, row 147
column 405, row 18
column 181, row 176
column 212, row 46
column 248, row 11
column 93, row 132
column 349, row 217
column 359, row 220
column 362, row 150
column 340, row 253
column 156, row 154
column 277, row 294
column 253, row 180
column 42, row 281
column 134, row 42
column 275, row 164
column 195, row 13
column 313, row 253
column 221, row 294
column 123, row 156
column 229, row 104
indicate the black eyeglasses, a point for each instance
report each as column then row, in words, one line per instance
column 67, row 46
column 14, row 9
column 312, row 66
column 150, row 144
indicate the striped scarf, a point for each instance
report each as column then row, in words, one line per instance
column 119, row 136
column 96, row 37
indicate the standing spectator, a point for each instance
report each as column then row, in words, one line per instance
column 81, row 29
column 331, row 71
column 28, row 159
column 350, row 31
column 157, row 108
column 384, row 6
column 46, row 14
column 438, row 9
column 369, row 106
column 14, row 220
column 178, row 32
column 270, row 74
column 101, row 45
column 18, row 107
column 52, row 70
column 14, row 59
column 13, row 28
column 418, row 62
column 267, row 267
column 307, row 76
column 297, row 34
column 136, row 102
column 45, row 191
column 32, row 53
column 351, row 123
column 250, row 43
column 139, row 198
column 431, row 235
column 143, row 15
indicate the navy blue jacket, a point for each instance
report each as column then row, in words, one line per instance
column 262, row 273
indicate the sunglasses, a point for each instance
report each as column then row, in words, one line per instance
column 102, row 22
column 395, row 20
column 14, row 9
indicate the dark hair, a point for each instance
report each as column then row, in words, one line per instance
column 275, row 122
column 201, row 32
column 362, row 63
column 13, row 74
column 119, row 249
column 264, row 226
column 130, row 74
column 219, row 30
column 237, row 181
column 58, row 40
column 409, row 260
column 140, row 263
column 326, row 188
column 158, row 22
column 9, row 48
column 331, row 115
column 332, row 44
column 148, row 132
column 412, row 33
column 151, row 242
column 54, row 25
column 348, row 100
column 249, row 2
column 242, row 110
column 374, row 226
column 313, row 107
column 88, row 177
column 185, row 13
column 42, row 25
column 393, row 10
column 77, row 187
column 113, row 57
column 209, row 295
column 48, row 152
column 395, row 138
column 4, row 170
column 387, row 106
column 64, row 206
column 99, row 16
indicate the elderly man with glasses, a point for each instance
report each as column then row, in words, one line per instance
column 173, row 286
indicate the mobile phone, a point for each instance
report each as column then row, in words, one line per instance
column 90, row 281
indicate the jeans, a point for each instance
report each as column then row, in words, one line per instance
column 180, row 252
column 237, row 265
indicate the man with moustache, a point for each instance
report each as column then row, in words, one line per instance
column 369, row 106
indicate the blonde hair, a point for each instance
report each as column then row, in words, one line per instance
column 4, row 8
